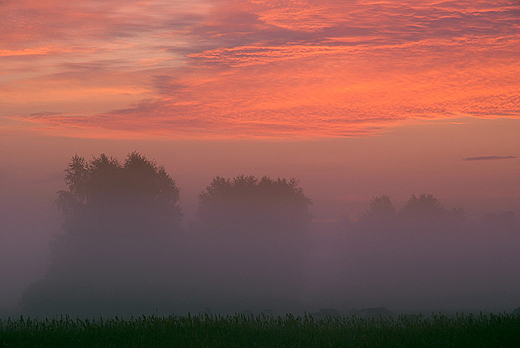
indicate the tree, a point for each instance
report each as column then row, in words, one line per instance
column 420, row 216
column 254, row 241
column 424, row 206
column 245, row 201
column 105, row 196
column 381, row 211
column 114, row 256
column 426, row 210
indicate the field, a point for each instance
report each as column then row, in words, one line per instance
column 484, row 330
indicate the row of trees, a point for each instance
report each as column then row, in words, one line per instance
column 138, row 195
column 123, row 250
column 424, row 212
column 424, row 215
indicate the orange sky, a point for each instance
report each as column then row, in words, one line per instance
column 267, row 76
column 241, row 69
column 405, row 91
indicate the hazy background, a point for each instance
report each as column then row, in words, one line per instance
column 344, row 269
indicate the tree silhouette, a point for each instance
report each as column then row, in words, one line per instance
column 105, row 196
column 426, row 205
column 245, row 201
column 423, row 214
column 114, row 254
column 427, row 211
column 381, row 211
column 256, row 240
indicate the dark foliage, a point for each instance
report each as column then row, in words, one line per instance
column 245, row 201
column 254, row 238
column 490, row 330
column 121, row 220
column 418, row 216
column 427, row 211
column 381, row 212
column 107, row 197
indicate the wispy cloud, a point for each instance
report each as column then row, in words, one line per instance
column 488, row 158
column 257, row 68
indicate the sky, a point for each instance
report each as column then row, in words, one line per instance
column 355, row 98
column 243, row 69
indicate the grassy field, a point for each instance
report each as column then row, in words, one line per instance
column 485, row 330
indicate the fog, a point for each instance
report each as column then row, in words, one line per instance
column 418, row 263
column 126, row 247
column 337, row 260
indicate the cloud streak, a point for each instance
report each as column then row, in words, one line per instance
column 230, row 68
column 488, row 158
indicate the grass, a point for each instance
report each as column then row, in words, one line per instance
column 484, row 330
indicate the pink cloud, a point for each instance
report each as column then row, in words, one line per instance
column 219, row 68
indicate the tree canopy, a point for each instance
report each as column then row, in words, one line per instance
column 116, row 254
column 107, row 196
column 247, row 201
column 254, row 234
column 420, row 213
column 381, row 210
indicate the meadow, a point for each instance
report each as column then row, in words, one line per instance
column 484, row 330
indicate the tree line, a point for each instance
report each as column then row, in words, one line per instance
column 123, row 248
column 123, row 244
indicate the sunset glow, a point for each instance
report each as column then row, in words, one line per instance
column 233, row 69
